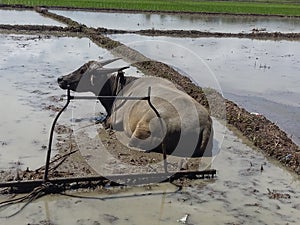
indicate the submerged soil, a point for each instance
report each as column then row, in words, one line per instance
column 73, row 30
column 260, row 131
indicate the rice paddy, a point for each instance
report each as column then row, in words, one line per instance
column 271, row 7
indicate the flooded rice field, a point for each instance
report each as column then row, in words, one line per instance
column 209, row 23
column 260, row 75
column 25, row 17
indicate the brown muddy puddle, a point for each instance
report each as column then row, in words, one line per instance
column 209, row 23
column 29, row 67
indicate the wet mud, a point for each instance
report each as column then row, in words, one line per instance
column 251, row 194
column 194, row 33
column 75, row 28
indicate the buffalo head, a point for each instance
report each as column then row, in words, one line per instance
column 90, row 77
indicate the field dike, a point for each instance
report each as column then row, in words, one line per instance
column 259, row 131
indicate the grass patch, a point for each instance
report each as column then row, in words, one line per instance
column 271, row 7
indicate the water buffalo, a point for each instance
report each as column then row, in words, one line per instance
column 176, row 122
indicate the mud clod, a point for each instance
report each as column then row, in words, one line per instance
column 277, row 195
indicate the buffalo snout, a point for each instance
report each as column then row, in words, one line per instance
column 63, row 84
column 60, row 79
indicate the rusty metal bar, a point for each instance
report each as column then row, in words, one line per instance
column 108, row 97
column 162, row 127
column 51, row 136
column 128, row 178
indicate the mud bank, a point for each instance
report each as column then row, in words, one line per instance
column 75, row 28
column 260, row 131
column 195, row 33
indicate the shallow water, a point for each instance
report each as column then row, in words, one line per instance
column 211, row 23
column 29, row 67
column 262, row 76
column 25, row 17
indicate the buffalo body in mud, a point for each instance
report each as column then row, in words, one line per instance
column 171, row 121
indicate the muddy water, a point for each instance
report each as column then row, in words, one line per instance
column 238, row 195
column 29, row 67
column 25, row 17
column 262, row 76
column 211, row 23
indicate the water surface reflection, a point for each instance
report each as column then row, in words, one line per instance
column 25, row 17
column 29, row 67
column 211, row 23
